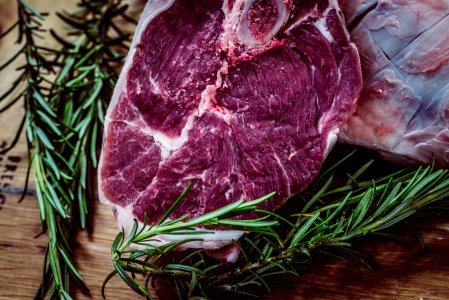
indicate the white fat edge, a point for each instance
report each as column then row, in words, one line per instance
column 206, row 97
column 244, row 34
column 210, row 90
column 151, row 10
column 234, row 255
column 331, row 140
column 216, row 236
column 208, row 94
column 230, row 24
column 101, row 194
column 333, row 134
column 125, row 218
column 321, row 25
column 323, row 118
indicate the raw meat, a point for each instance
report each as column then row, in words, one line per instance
column 354, row 8
column 404, row 107
column 241, row 98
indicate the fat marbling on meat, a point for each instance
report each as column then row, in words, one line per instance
column 241, row 98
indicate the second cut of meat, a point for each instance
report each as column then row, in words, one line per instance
column 403, row 110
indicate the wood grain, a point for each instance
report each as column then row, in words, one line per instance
column 403, row 272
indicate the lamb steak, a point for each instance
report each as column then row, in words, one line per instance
column 240, row 98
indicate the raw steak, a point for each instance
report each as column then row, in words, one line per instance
column 404, row 107
column 241, row 98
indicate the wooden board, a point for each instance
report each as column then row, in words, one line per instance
column 403, row 272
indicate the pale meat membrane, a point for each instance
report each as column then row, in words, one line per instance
column 402, row 111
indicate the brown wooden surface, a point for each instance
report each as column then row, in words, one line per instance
column 403, row 272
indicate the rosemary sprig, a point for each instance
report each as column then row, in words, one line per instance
column 84, row 86
column 332, row 217
column 43, row 130
column 65, row 94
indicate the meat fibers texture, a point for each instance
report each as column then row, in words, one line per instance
column 239, row 98
column 403, row 111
